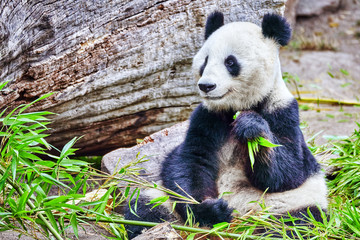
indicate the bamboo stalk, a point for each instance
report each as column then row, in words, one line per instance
column 176, row 227
column 328, row 101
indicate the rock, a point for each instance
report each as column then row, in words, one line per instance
column 120, row 69
column 307, row 8
column 154, row 148
column 290, row 11
column 163, row 231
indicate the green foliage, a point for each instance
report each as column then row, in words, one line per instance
column 42, row 193
column 253, row 147
column 347, row 178
column 29, row 174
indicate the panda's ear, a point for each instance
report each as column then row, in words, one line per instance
column 213, row 22
column 275, row 27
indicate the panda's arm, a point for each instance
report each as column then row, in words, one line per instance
column 281, row 168
column 193, row 166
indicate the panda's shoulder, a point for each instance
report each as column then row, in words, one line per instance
column 286, row 113
column 203, row 117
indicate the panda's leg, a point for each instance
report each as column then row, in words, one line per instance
column 145, row 212
column 302, row 219
column 197, row 181
column 193, row 166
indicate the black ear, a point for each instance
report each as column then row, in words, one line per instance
column 213, row 22
column 275, row 27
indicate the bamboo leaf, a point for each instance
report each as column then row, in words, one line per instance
column 70, row 163
column 70, row 206
column 24, row 154
column 330, row 74
column 158, row 201
column 37, row 100
column 191, row 236
column 137, row 190
column 251, row 155
column 67, row 149
column 74, row 224
column 51, row 180
column 104, row 200
column 14, row 165
column 236, row 115
column 52, row 219
column 57, row 200
column 343, row 71
column 266, row 143
column 220, row 226
column 2, row 85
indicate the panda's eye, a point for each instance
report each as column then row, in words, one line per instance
column 229, row 62
column 232, row 65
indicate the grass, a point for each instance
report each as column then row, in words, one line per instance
column 346, row 182
column 314, row 43
column 43, row 194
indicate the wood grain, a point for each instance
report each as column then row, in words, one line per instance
column 120, row 69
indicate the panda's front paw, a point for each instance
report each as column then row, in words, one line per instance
column 250, row 125
column 212, row 211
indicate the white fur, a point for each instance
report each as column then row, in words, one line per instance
column 244, row 196
column 260, row 73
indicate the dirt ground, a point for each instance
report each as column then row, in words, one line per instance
column 325, row 55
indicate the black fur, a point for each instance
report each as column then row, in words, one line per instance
column 275, row 27
column 194, row 164
column 232, row 65
column 210, row 212
column 202, row 68
column 213, row 22
column 281, row 168
column 145, row 213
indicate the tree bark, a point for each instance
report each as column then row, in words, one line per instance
column 121, row 69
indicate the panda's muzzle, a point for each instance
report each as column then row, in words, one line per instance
column 207, row 87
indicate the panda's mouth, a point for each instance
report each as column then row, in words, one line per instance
column 216, row 97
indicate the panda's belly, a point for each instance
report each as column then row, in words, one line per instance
column 234, row 187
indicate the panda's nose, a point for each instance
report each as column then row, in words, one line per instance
column 207, row 87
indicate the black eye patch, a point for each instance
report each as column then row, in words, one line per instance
column 232, row 65
column 202, row 68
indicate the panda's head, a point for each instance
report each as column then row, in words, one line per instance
column 238, row 65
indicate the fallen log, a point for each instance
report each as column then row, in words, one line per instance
column 121, row 69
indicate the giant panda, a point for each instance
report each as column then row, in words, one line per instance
column 238, row 69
